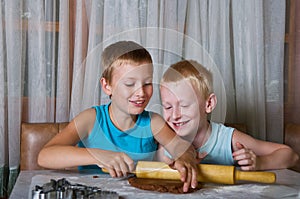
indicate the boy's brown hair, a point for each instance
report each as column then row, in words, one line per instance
column 198, row 75
column 123, row 52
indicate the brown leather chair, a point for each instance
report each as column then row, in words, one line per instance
column 292, row 138
column 33, row 137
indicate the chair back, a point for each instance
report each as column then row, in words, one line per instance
column 292, row 139
column 33, row 137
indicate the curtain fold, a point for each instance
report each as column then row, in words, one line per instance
column 62, row 77
column 51, row 52
column 3, row 112
column 274, row 31
column 13, row 60
column 80, row 50
column 248, row 45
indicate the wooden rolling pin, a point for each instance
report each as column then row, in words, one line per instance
column 220, row 174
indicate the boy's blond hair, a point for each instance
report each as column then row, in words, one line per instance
column 198, row 75
column 123, row 52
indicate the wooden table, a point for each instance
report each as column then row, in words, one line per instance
column 287, row 186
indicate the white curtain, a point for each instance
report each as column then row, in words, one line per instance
column 241, row 41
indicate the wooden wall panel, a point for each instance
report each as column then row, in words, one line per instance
column 292, row 56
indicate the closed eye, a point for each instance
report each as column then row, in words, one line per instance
column 184, row 106
column 129, row 84
column 167, row 107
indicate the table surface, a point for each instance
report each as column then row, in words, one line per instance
column 287, row 186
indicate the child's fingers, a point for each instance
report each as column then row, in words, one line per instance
column 244, row 162
column 245, row 157
column 129, row 163
column 194, row 182
column 121, row 165
column 247, row 168
column 241, row 154
column 241, row 149
column 188, row 179
column 112, row 172
column 247, row 161
column 124, row 169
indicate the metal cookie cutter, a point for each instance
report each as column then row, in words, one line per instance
column 63, row 189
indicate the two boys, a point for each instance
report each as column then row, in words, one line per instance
column 118, row 134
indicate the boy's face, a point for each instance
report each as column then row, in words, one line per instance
column 131, row 87
column 182, row 108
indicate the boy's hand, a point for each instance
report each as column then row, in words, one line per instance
column 245, row 157
column 118, row 164
column 188, row 168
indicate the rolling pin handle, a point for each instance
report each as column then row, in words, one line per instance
column 255, row 176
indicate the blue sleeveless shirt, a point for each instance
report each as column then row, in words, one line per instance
column 138, row 142
column 218, row 146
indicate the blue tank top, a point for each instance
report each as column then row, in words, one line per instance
column 218, row 146
column 138, row 142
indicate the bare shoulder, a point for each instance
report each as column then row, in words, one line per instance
column 84, row 121
column 77, row 128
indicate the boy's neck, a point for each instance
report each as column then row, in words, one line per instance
column 202, row 135
column 121, row 120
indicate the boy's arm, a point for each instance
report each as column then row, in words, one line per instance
column 162, row 157
column 182, row 151
column 61, row 151
column 254, row 154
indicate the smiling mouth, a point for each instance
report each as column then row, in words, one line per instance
column 137, row 103
column 179, row 124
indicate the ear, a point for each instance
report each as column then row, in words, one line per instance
column 105, row 86
column 211, row 103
